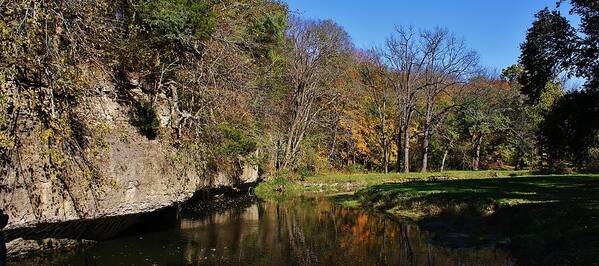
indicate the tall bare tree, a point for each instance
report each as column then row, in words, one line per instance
column 315, row 47
column 448, row 65
column 403, row 55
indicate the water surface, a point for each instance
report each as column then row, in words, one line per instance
column 298, row 232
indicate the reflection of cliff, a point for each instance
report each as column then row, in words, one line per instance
column 305, row 232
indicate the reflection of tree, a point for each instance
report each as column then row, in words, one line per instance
column 308, row 232
column 297, row 241
column 404, row 243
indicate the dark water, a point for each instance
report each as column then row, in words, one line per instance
column 299, row 232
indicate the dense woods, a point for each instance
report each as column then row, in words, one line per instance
column 224, row 80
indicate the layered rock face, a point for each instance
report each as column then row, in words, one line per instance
column 129, row 173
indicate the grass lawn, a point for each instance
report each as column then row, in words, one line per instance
column 433, row 197
column 279, row 188
column 379, row 178
column 546, row 220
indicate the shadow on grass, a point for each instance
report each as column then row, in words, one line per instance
column 545, row 220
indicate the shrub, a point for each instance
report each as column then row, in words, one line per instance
column 279, row 188
column 593, row 159
column 235, row 142
column 146, row 120
column 179, row 21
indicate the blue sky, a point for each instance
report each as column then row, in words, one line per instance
column 494, row 28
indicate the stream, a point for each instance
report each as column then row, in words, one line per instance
column 301, row 231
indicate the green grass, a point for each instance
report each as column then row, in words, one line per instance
column 343, row 183
column 433, row 197
column 378, row 178
column 280, row 187
column 546, row 220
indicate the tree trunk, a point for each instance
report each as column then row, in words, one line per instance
column 425, row 152
column 386, row 158
column 278, row 156
column 295, row 135
column 443, row 160
column 476, row 158
column 290, row 143
column 384, row 137
column 398, row 161
column 333, row 142
column 520, row 163
column 406, row 150
column 425, row 141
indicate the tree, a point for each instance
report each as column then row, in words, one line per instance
column 448, row 66
column 374, row 78
column 425, row 64
column 405, row 56
column 570, row 131
column 176, row 21
column 584, row 59
column 548, row 44
column 553, row 47
column 523, row 119
column 482, row 110
column 314, row 48
column 449, row 137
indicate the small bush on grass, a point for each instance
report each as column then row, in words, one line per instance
column 279, row 188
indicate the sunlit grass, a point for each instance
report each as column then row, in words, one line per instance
column 374, row 178
column 441, row 194
column 282, row 187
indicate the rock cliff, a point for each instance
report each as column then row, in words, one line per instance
column 120, row 172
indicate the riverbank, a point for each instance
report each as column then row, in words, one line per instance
column 544, row 220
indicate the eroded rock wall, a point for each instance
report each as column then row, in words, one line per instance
column 126, row 173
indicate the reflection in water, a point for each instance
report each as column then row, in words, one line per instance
column 300, row 232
